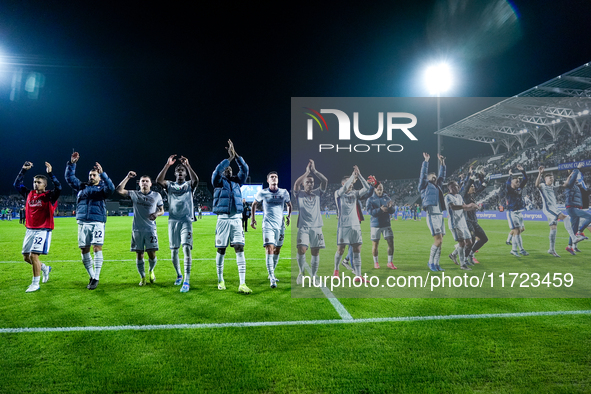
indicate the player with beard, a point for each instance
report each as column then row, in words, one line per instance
column 380, row 206
column 433, row 204
column 309, row 218
column 181, row 214
column 91, row 214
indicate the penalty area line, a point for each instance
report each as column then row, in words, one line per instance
column 289, row 323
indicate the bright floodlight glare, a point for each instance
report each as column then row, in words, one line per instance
column 438, row 78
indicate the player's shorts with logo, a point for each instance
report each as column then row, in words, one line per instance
column 144, row 240
column 273, row 236
column 552, row 216
column 311, row 237
column 180, row 232
column 515, row 219
column 376, row 233
column 436, row 225
column 228, row 231
column 37, row 241
column 461, row 232
column 91, row 233
column 349, row 236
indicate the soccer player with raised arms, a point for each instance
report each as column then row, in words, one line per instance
column 573, row 191
column 181, row 214
column 309, row 218
column 433, row 204
column 91, row 214
column 41, row 204
column 551, row 211
column 349, row 227
column 273, row 199
column 457, row 221
column 227, row 204
column 147, row 206
column 515, row 207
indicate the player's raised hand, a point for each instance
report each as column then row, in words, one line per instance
column 48, row 168
column 184, row 161
column 510, row 171
column 426, row 156
column 171, row 160
column 519, row 167
column 580, row 165
column 541, row 169
column 98, row 168
column 27, row 166
column 131, row 174
column 231, row 150
column 441, row 158
column 312, row 166
column 75, row 157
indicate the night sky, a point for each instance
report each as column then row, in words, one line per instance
column 129, row 85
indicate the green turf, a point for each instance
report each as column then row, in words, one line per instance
column 517, row 354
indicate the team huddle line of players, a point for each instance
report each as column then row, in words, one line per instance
column 91, row 215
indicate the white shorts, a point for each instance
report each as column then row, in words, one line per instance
column 92, row 233
column 311, row 237
column 376, row 233
column 435, row 223
column 180, row 232
column 552, row 216
column 349, row 236
column 461, row 232
column 273, row 236
column 144, row 240
column 515, row 219
column 37, row 241
column 228, row 231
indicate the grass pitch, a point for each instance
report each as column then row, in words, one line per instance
column 516, row 354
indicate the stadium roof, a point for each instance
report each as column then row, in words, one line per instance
column 542, row 113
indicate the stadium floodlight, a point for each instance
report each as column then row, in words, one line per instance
column 438, row 78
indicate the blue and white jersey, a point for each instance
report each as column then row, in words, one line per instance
column 273, row 205
column 180, row 201
column 548, row 198
column 457, row 217
column 143, row 206
column 309, row 206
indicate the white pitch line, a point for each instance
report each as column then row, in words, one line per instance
column 341, row 310
column 289, row 323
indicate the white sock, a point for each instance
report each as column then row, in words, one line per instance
column 36, row 280
column 569, row 228
column 438, row 255
column 174, row 255
column 152, row 263
column 510, row 238
column 314, row 263
column 219, row 263
column 141, row 267
column 552, row 239
column 337, row 260
column 519, row 242
column 514, row 244
column 375, row 259
column 275, row 261
column 241, row 261
column 188, row 260
column 301, row 262
column 87, row 261
column 98, row 264
column 390, row 258
column 456, row 250
column 357, row 263
column 461, row 255
column 270, row 266
column 432, row 254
